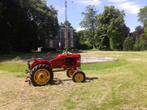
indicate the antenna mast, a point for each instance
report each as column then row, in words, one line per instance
column 66, row 28
column 66, row 10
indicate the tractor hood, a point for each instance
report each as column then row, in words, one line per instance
column 69, row 55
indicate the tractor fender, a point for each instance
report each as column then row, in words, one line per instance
column 43, row 62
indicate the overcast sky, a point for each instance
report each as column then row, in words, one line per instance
column 76, row 7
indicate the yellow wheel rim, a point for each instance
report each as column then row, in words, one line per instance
column 42, row 76
column 79, row 77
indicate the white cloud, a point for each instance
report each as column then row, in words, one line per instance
column 116, row 1
column 126, row 5
column 130, row 7
column 60, row 10
column 79, row 29
column 132, row 29
column 88, row 2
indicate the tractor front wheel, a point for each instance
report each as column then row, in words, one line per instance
column 41, row 75
column 79, row 76
column 69, row 73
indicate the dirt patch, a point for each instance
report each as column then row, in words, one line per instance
column 96, row 59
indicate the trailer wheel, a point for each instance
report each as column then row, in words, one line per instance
column 41, row 75
column 79, row 76
column 69, row 73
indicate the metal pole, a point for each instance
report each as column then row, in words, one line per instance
column 66, row 10
column 66, row 27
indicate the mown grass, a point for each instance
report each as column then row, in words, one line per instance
column 16, row 64
column 103, row 65
column 18, row 67
column 121, row 85
column 13, row 67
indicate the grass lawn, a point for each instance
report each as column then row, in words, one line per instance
column 120, row 85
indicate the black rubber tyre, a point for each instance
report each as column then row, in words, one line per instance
column 41, row 75
column 79, row 76
column 68, row 73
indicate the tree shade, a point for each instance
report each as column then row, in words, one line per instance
column 25, row 24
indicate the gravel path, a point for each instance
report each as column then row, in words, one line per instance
column 96, row 59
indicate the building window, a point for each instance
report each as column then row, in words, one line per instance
column 51, row 44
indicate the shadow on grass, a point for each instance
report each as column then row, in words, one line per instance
column 57, row 81
column 61, row 81
column 25, row 56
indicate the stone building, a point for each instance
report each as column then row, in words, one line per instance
column 64, row 39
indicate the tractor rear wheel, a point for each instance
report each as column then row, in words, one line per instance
column 79, row 76
column 41, row 75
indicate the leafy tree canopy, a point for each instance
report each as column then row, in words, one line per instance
column 143, row 18
column 111, row 28
column 25, row 24
column 143, row 15
column 89, row 23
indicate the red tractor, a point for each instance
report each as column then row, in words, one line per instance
column 41, row 71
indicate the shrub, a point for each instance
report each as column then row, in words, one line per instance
column 141, row 43
column 128, row 43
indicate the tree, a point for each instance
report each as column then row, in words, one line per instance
column 46, row 19
column 82, row 40
column 129, row 43
column 25, row 24
column 67, row 23
column 89, row 23
column 111, row 29
column 15, row 30
column 141, row 43
column 1, row 9
column 102, row 33
column 139, row 30
column 143, row 18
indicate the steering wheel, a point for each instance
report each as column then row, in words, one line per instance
column 49, row 55
column 66, row 52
